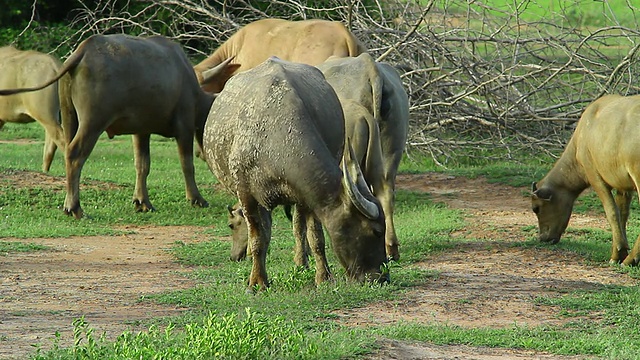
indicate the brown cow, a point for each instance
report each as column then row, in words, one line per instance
column 602, row 153
column 24, row 69
column 307, row 41
column 130, row 85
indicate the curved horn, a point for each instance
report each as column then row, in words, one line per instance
column 366, row 207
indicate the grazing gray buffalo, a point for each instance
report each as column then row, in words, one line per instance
column 376, row 111
column 24, row 69
column 306, row 41
column 275, row 135
column 602, row 153
column 130, row 85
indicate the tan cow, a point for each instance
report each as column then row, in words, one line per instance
column 603, row 153
column 25, row 69
column 307, row 41
column 130, row 85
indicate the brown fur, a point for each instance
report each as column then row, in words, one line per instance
column 307, row 41
column 603, row 153
column 28, row 68
column 121, row 85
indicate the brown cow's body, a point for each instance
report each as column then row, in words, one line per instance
column 24, row 69
column 603, row 153
column 129, row 85
column 307, row 41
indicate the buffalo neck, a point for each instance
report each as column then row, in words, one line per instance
column 567, row 173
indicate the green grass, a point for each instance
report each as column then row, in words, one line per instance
column 7, row 247
column 575, row 13
column 294, row 318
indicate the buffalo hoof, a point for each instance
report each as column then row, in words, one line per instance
column 323, row 277
column 143, row 206
column 77, row 212
column 392, row 252
column 630, row 261
column 552, row 241
column 199, row 203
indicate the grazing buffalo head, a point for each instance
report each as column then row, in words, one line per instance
column 553, row 208
column 239, row 232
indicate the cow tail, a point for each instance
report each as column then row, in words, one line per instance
column 68, row 65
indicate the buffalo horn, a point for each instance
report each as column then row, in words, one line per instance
column 365, row 206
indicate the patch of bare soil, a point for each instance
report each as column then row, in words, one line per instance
column 485, row 283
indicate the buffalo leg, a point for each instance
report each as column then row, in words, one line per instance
column 48, row 153
column 300, row 256
column 387, row 199
column 259, row 228
column 76, row 155
column 633, row 258
column 315, row 237
column 143, row 165
column 185, row 150
column 53, row 139
column 620, row 245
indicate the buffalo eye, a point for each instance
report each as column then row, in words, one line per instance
column 378, row 232
column 231, row 226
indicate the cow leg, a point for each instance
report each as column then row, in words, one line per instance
column 300, row 256
column 185, row 150
column 387, row 199
column 315, row 236
column 620, row 244
column 623, row 202
column 259, row 228
column 76, row 154
column 49, row 152
column 142, row 161
column 53, row 139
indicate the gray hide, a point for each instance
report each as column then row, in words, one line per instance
column 372, row 95
column 275, row 135
column 24, row 69
column 130, row 85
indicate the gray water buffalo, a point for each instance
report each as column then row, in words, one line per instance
column 25, row 69
column 130, row 85
column 376, row 110
column 275, row 136
column 306, row 41
column 603, row 153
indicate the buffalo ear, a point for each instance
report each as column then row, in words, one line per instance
column 542, row 194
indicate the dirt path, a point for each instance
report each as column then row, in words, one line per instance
column 486, row 283
column 100, row 277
